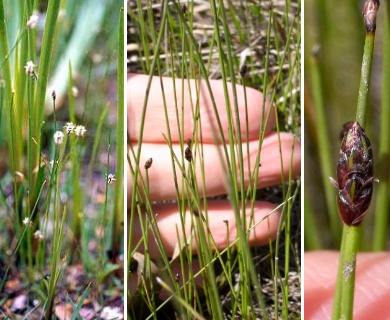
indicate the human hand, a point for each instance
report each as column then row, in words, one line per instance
column 161, row 173
column 372, row 288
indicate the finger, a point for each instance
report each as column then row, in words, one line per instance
column 162, row 184
column 372, row 289
column 155, row 124
column 221, row 224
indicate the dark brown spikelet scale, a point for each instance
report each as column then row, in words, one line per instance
column 188, row 154
column 345, row 129
column 243, row 70
column 148, row 163
column 355, row 175
column 187, row 151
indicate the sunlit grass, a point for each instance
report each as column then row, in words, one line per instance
column 58, row 188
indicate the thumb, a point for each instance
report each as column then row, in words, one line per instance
column 372, row 285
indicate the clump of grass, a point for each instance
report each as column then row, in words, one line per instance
column 182, row 54
column 51, row 203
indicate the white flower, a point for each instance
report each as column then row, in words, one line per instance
column 75, row 91
column 111, row 178
column 58, row 137
column 69, row 127
column 32, row 21
column 30, row 66
column 38, row 235
column 80, row 131
column 27, row 222
column 110, row 313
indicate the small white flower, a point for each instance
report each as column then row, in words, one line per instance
column 97, row 58
column 30, row 66
column 111, row 178
column 38, row 235
column 27, row 222
column 80, row 131
column 75, row 91
column 32, row 21
column 111, row 313
column 69, row 127
column 58, row 137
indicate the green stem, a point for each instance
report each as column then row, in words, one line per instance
column 138, row 155
column 343, row 304
column 13, row 133
column 345, row 286
column 365, row 78
column 119, row 193
column 4, row 52
column 382, row 200
column 43, row 76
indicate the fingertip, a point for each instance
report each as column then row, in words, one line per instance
column 280, row 153
column 372, row 284
column 265, row 223
column 259, row 111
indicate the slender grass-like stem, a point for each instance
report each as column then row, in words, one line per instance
column 43, row 74
column 75, row 168
column 343, row 303
column 59, row 222
column 104, row 217
column 345, row 286
column 55, row 266
column 237, row 162
column 204, row 248
column 10, row 117
column 136, row 172
column 4, row 52
column 193, row 60
column 142, row 33
column 231, row 163
column 382, row 201
column 287, row 231
column 365, row 78
column 119, row 192
column 191, row 181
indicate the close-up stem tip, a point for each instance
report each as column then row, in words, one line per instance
column 370, row 10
